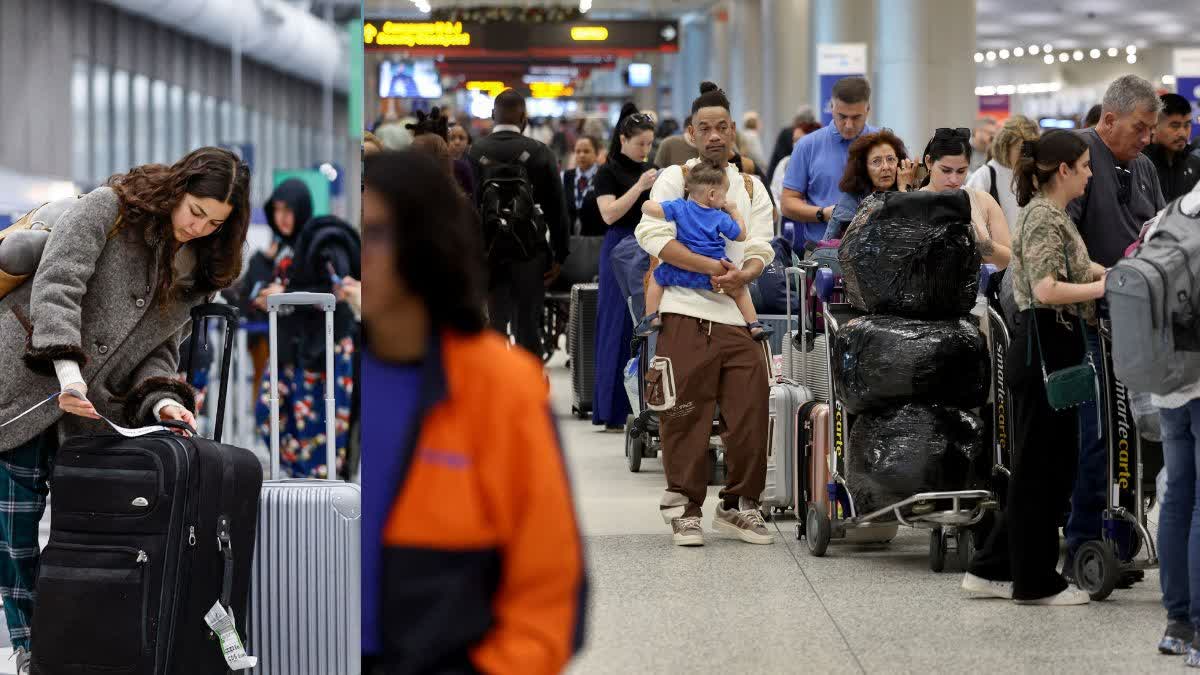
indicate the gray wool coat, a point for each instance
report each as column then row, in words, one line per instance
column 92, row 301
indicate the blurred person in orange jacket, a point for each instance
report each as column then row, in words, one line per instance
column 472, row 558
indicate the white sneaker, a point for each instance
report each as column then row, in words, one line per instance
column 992, row 589
column 1069, row 596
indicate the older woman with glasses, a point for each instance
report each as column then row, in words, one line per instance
column 877, row 162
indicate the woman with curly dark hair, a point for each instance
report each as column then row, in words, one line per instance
column 100, row 323
column 876, row 162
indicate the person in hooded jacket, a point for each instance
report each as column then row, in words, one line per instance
column 288, row 207
column 310, row 255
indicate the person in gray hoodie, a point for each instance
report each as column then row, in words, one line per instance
column 98, row 327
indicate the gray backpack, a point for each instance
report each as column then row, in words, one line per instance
column 1154, row 301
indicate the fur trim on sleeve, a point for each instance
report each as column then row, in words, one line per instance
column 149, row 391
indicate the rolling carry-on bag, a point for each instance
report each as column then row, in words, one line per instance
column 305, row 609
column 786, row 399
column 581, row 346
column 150, row 543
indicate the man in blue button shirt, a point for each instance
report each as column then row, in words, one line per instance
column 810, row 187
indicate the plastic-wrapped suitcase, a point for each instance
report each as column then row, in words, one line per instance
column 305, row 602
column 131, row 570
column 581, row 346
column 786, row 399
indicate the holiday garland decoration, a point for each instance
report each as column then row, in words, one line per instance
column 489, row 14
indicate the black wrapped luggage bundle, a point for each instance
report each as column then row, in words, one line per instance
column 914, row 256
column 897, row 453
column 884, row 360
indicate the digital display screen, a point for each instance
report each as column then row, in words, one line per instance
column 409, row 78
column 640, row 74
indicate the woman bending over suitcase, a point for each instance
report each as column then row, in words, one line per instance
column 471, row 556
column 1055, row 285
column 103, row 318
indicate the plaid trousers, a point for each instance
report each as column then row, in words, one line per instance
column 24, row 472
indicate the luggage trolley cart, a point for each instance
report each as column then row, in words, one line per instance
column 959, row 509
column 1002, row 425
column 1114, row 560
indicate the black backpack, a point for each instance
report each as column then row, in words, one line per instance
column 513, row 227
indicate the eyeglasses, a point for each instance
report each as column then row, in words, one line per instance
column 946, row 132
column 1124, row 184
column 635, row 119
column 880, row 161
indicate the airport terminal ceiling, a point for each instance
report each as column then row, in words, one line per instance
column 999, row 23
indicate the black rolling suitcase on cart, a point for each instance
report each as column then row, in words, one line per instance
column 148, row 535
column 581, row 346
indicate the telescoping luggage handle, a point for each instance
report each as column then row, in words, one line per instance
column 328, row 303
column 200, row 314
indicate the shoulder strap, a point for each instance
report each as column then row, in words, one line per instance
column 749, row 185
column 995, row 193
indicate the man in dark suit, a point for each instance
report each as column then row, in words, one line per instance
column 517, row 290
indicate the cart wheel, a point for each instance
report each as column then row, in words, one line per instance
column 937, row 550
column 1096, row 569
column 799, row 528
column 817, row 531
column 965, row 541
column 634, row 446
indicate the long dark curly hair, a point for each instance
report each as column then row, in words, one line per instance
column 150, row 193
column 856, row 180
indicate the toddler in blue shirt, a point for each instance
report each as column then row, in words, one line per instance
column 702, row 222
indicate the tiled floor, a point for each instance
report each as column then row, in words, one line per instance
column 731, row 607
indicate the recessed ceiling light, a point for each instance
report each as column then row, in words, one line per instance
column 1113, row 51
column 1003, row 53
column 991, row 56
column 1047, row 48
column 1019, row 52
column 1095, row 53
column 1064, row 57
column 1033, row 49
column 1049, row 59
column 1078, row 55
column 978, row 57
column 1131, row 59
column 1131, row 49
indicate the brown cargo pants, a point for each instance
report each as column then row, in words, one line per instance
column 714, row 364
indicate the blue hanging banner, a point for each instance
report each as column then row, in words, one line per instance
column 1187, row 82
column 835, row 61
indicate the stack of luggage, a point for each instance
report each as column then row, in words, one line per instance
column 915, row 366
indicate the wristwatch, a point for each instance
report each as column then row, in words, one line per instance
column 821, row 215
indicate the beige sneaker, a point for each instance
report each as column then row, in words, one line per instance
column 746, row 524
column 687, row 531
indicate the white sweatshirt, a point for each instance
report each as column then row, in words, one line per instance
column 653, row 234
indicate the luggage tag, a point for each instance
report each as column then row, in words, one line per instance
column 660, row 384
column 221, row 622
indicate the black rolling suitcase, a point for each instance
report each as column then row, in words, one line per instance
column 148, row 535
column 581, row 346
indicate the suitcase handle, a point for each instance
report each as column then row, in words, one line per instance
column 200, row 315
column 328, row 303
column 177, row 424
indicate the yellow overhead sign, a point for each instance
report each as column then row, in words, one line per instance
column 589, row 33
column 489, row 87
column 413, row 34
column 550, row 89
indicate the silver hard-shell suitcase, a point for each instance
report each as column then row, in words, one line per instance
column 786, row 399
column 305, row 598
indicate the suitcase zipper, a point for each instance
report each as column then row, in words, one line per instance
column 181, row 448
column 158, row 465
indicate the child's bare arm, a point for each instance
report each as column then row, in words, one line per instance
column 654, row 209
column 737, row 218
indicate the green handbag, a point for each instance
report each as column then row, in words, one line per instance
column 1071, row 386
